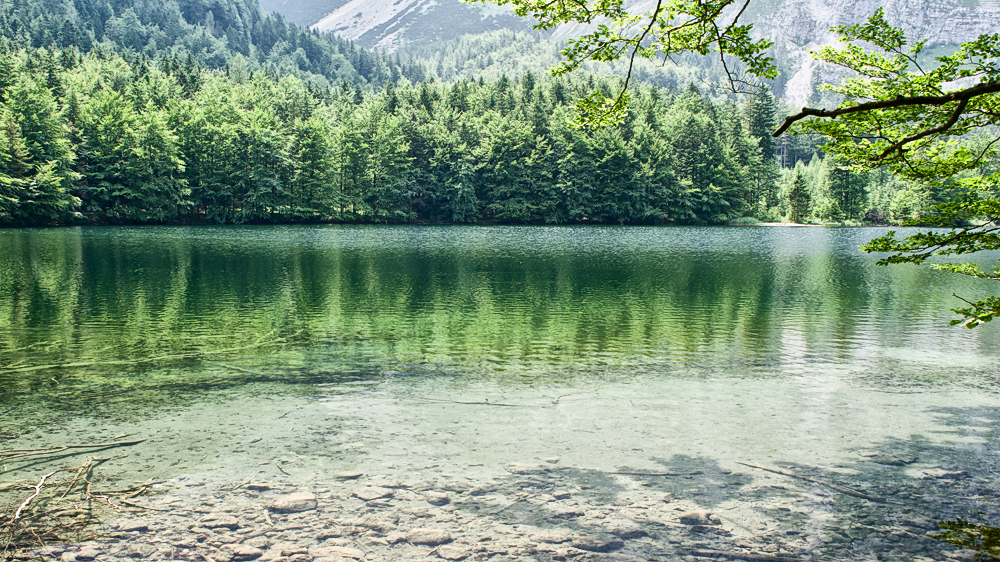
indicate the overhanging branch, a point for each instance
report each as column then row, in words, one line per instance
column 927, row 132
column 962, row 96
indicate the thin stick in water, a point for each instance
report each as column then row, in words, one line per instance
column 841, row 489
column 38, row 490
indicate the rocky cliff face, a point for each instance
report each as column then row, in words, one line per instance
column 796, row 26
column 394, row 24
column 797, row 22
column 941, row 22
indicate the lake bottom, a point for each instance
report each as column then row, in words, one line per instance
column 814, row 464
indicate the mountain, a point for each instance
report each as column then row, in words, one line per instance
column 400, row 23
column 796, row 22
column 796, row 26
column 304, row 13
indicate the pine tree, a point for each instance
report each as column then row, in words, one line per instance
column 798, row 197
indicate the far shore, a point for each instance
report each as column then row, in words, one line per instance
column 799, row 224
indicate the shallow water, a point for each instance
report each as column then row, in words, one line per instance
column 435, row 357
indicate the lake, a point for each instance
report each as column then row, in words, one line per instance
column 536, row 393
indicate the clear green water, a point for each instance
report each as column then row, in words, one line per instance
column 358, row 348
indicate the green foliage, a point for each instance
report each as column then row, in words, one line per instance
column 848, row 191
column 132, row 141
column 910, row 121
column 984, row 540
column 35, row 155
column 760, row 114
column 799, row 201
column 194, row 34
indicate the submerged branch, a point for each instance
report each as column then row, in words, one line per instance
column 832, row 486
column 52, row 450
column 692, row 473
column 38, row 490
column 483, row 403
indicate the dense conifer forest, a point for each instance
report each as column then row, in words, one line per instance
column 146, row 112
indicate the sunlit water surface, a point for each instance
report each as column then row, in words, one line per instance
column 435, row 353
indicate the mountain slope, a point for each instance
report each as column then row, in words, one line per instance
column 415, row 22
column 302, row 13
column 795, row 26
column 795, row 22
column 798, row 26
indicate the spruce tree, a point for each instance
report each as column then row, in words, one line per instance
column 798, row 197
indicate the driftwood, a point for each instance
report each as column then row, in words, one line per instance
column 53, row 450
column 126, row 502
column 657, row 473
column 832, row 486
column 76, row 477
column 62, row 510
column 38, row 490
column 743, row 556
column 483, row 403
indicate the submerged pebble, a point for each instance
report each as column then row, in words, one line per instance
column 294, row 503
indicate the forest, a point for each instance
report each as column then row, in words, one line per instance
column 134, row 112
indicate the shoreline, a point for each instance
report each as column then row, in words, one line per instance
column 429, row 224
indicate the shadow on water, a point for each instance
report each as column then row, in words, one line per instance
column 923, row 482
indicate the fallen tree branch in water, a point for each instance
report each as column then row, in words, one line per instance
column 656, row 473
column 76, row 477
column 107, row 499
column 743, row 556
column 53, row 450
column 72, row 446
column 60, row 508
column 126, row 502
column 832, row 486
column 483, row 403
column 38, row 490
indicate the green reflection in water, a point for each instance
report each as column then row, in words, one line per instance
column 127, row 306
